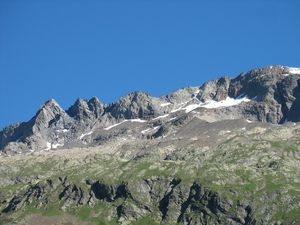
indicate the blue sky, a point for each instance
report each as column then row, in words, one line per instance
column 67, row 49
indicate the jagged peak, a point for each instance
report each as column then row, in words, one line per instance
column 84, row 108
column 268, row 70
column 80, row 102
column 50, row 102
column 50, row 106
column 215, row 89
column 136, row 94
column 95, row 99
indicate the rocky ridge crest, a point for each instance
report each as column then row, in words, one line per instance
column 269, row 94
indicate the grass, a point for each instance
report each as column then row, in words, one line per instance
column 147, row 220
column 229, row 167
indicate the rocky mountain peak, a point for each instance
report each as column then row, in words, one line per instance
column 222, row 153
column 49, row 114
column 183, row 95
column 261, row 83
column 216, row 90
column 51, row 106
column 84, row 109
column 135, row 105
column 270, row 94
column 269, row 70
column 50, row 102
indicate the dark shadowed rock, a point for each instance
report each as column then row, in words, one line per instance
column 86, row 110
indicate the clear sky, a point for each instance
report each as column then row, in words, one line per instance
column 65, row 49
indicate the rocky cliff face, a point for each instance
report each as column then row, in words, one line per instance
column 226, row 152
column 272, row 95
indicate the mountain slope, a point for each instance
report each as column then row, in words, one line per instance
column 268, row 94
column 226, row 152
column 225, row 172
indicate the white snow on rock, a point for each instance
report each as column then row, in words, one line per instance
column 131, row 120
column 225, row 103
column 48, row 146
column 54, row 146
column 180, row 106
column 214, row 104
column 165, row 104
column 192, row 107
column 138, row 120
column 160, row 117
column 62, row 131
column 146, row 131
column 114, row 125
column 293, row 70
column 150, row 130
column 86, row 134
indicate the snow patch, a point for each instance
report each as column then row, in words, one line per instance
column 214, row 104
column 131, row 120
column 146, row 131
column 180, row 106
column 114, row 125
column 62, row 131
column 160, row 117
column 165, row 104
column 294, row 70
column 138, row 120
column 197, row 91
column 176, row 110
column 225, row 103
column 48, row 144
column 192, row 107
column 150, row 130
column 54, row 146
column 174, row 118
column 86, row 134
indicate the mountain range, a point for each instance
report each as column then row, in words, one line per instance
column 225, row 152
column 269, row 94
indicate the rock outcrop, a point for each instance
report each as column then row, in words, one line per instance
column 269, row 94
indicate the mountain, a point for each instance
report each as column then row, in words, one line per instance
column 225, row 152
column 268, row 94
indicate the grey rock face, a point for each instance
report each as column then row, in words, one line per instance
column 13, row 133
column 86, row 110
column 214, row 90
column 273, row 96
column 182, row 95
column 176, row 203
column 50, row 115
column 274, row 88
column 35, row 133
column 135, row 105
